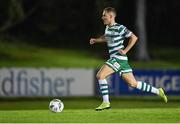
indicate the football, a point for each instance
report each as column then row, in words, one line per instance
column 56, row 105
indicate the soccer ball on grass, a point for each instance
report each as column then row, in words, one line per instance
column 56, row 105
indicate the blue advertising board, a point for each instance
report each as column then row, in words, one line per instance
column 167, row 79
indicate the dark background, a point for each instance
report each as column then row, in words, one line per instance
column 58, row 23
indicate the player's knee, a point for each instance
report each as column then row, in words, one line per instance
column 100, row 76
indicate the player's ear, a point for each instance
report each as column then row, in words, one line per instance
column 111, row 15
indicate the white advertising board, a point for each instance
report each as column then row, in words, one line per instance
column 22, row 82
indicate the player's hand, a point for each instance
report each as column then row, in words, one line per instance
column 92, row 41
column 122, row 52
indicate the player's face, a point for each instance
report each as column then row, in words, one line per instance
column 107, row 18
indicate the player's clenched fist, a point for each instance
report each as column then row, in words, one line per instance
column 92, row 40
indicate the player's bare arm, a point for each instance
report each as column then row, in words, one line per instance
column 132, row 40
column 100, row 39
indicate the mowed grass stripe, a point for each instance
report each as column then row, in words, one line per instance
column 150, row 115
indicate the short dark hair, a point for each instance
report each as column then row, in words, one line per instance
column 110, row 9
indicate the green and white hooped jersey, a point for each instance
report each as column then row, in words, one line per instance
column 115, row 36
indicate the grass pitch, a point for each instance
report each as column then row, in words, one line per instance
column 81, row 110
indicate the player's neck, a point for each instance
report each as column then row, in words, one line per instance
column 112, row 23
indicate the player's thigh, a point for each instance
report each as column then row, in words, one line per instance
column 130, row 79
column 104, row 72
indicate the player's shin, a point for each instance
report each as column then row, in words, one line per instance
column 147, row 87
column 103, row 85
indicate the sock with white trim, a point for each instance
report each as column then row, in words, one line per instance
column 147, row 87
column 104, row 89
